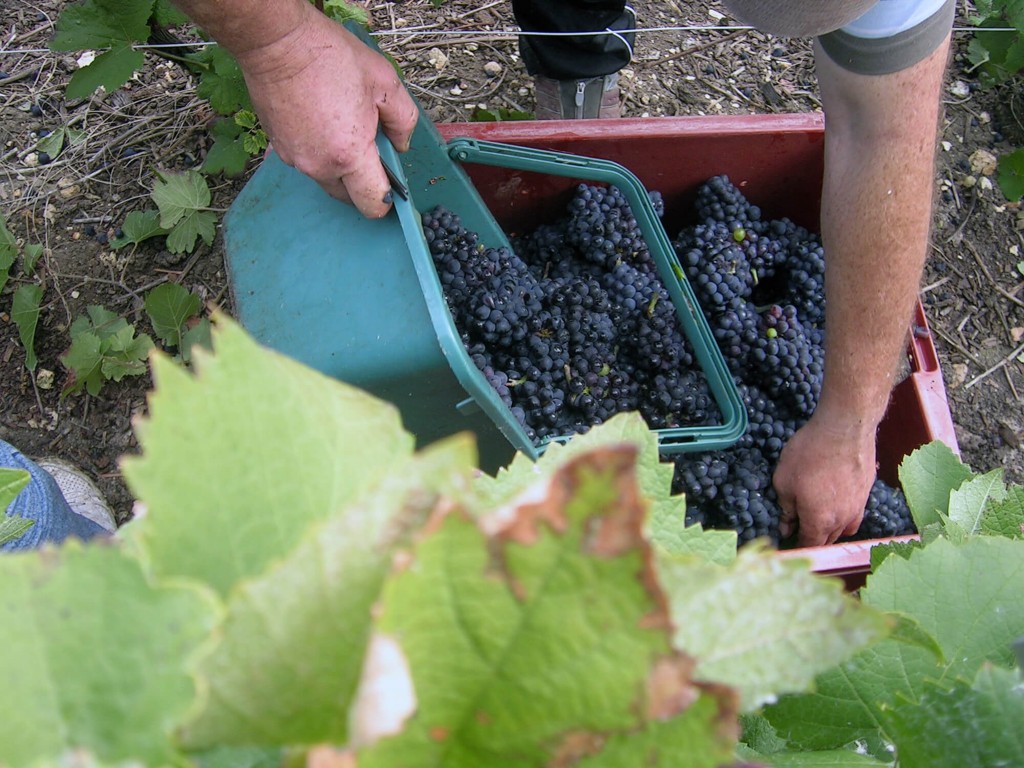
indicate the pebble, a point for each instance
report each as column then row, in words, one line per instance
column 492, row 68
column 438, row 59
column 983, row 162
column 960, row 89
column 44, row 378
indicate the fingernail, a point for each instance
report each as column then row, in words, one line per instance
column 388, row 197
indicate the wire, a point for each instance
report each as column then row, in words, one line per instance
column 417, row 31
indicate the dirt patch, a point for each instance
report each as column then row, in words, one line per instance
column 73, row 205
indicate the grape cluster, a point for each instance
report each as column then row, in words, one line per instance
column 761, row 286
column 574, row 324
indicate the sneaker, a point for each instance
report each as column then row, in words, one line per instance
column 577, row 99
column 80, row 492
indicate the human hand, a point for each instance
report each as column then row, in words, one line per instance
column 823, row 479
column 321, row 93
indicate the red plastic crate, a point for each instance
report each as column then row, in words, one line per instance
column 777, row 161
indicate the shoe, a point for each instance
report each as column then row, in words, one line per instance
column 80, row 492
column 594, row 97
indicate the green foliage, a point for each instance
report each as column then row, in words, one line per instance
column 183, row 200
column 480, row 115
column 303, row 576
column 114, row 25
column 33, row 252
column 221, row 81
column 956, row 599
column 227, row 154
column 61, row 136
column 810, row 619
column 12, row 481
column 104, row 347
column 998, row 57
column 343, row 12
column 139, row 226
column 25, row 314
column 100, row 656
column 170, row 307
column 1011, row 174
column 8, row 251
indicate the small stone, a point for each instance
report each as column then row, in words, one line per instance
column 983, row 162
column 960, row 89
column 984, row 118
column 985, row 184
column 1017, row 333
column 946, row 146
column 438, row 59
column 32, row 159
column 492, row 68
column 456, row 91
column 75, row 294
column 958, row 375
column 68, row 192
column 968, row 181
column 44, row 378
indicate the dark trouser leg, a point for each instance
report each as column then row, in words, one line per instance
column 575, row 57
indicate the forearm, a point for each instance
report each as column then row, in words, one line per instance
column 247, row 26
column 876, row 214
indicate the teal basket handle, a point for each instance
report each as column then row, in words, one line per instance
column 695, row 325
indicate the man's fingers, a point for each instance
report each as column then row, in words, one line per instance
column 398, row 116
column 368, row 187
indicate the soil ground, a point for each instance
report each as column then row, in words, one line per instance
column 971, row 289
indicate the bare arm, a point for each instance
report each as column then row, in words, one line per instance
column 319, row 91
column 880, row 136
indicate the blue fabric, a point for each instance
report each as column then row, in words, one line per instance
column 42, row 502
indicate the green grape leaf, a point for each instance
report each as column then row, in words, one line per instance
column 292, row 680
column 221, row 82
column 33, row 252
column 53, row 144
column 138, row 226
column 13, row 527
column 967, row 504
column 165, row 14
column 254, row 142
column 908, row 630
column 12, row 481
column 764, row 626
column 125, row 354
column 183, row 235
column 961, row 725
column 661, row 743
column 227, row 154
column 179, row 194
column 832, row 758
column 8, row 251
column 111, row 69
column 25, row 314
column 528, row 633
column 927, row 477
column 99, row 320
column 101, row 24
column 899, row 548
column 170, row 306
column 251, row 436
column 199, row 334
column 759, row 736
column 241, row 757
column 342, row 11
column 1006, row 518
column 966, row 597
column 102, row 656
column 84, row 360
column 1011, row 174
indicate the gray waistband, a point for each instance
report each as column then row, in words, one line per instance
column 884, row 55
